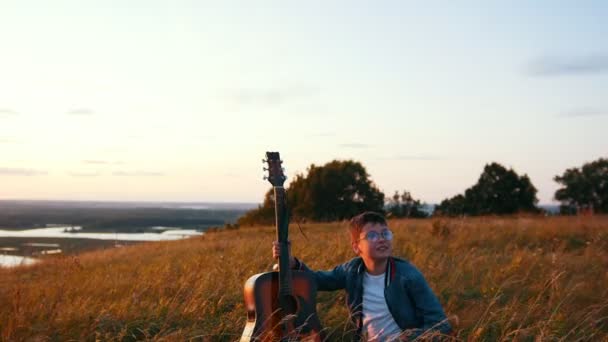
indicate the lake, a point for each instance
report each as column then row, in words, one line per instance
column 25, row 247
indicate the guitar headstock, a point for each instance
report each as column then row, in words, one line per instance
column 275, row 171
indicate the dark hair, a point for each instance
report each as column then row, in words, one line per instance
column 357, row 223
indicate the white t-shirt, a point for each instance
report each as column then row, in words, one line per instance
column 378, row 323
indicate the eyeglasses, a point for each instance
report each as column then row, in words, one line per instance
column 373, row 236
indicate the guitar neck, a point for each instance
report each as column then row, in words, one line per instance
column 282, row 227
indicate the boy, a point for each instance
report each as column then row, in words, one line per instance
column 388, row 298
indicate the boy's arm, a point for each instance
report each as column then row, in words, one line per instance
column 326, row 280
column 427, row 306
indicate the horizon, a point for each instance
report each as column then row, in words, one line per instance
column 149, row 101
column 539, row 204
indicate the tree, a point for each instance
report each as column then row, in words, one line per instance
column 405, row 205
column 452, row 207
column 335, row 191
column 264, row 214
column 584, row 188
column 498, row 191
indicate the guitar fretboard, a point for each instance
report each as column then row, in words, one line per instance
column 282, row 226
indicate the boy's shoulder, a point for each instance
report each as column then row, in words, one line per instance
column 353, row 265
column 405, row 268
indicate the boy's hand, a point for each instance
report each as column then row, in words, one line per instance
column 276, row 251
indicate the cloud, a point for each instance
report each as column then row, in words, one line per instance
column 7, row 112
column 137, row 174
column 583, row 112
column 355, row 145
column 559, row 66
column 416, row 157
column 100, row 162
column 9, row 171
column 270, row 97
column 84, row 174
column 96, row 162
column 323, row 135
column 81, row 112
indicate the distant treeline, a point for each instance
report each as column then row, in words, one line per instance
column 20, row 216
column 341, row 189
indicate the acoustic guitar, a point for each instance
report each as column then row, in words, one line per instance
column 281, row 306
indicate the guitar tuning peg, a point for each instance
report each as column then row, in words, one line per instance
column 265, row 178
column 264, row 161
column 265, row 168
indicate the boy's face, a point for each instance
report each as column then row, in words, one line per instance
column 374, row 250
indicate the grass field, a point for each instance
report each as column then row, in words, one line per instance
column 505, row 279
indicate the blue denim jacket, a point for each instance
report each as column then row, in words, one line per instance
column 409, row 298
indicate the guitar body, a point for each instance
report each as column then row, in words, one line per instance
column 264, row 312
column 281, row 306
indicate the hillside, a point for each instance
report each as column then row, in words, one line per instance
column 498, row 279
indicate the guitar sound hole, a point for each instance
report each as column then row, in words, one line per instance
column 291, row 305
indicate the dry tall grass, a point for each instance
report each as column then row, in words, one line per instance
column 499, row 278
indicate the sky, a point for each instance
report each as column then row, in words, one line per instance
column 179, row 100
